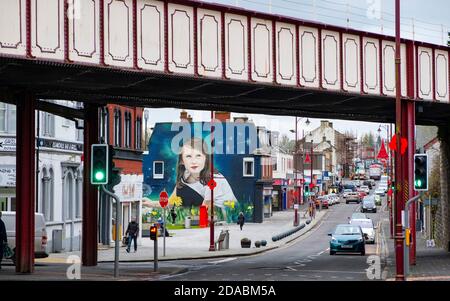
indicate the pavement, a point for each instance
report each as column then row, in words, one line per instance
column 432, row 264
column 194, row 243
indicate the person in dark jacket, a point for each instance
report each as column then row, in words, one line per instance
column 3, row 238
column 241, row 219
column 132, row 232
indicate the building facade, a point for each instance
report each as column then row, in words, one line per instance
column 242, row 168
column 121, row 127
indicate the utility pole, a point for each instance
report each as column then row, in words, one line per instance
column 297, row 194
column 211, row 233
column 400, row 275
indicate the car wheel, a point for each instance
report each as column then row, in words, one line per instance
column 363, row 253
column 332, row 252
column 346, row 202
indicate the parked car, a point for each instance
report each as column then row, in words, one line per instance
column 334, row 197
column 362, row 194
column 324, row 201
column 347, row 238
column 40, row 234
column 367, row 228
column 346, row 192
column 368, row 204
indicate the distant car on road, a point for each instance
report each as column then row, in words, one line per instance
column 352, row 197
column 365, row 188
column 368, row 204
column 347, row 238
column 367, row 228
column 324, row 202
column 380, row 192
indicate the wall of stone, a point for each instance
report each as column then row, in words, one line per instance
column 442, row 215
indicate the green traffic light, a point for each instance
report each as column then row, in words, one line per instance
column 418, row 183
column 99, row 175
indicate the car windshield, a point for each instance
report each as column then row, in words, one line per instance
column 348, row 190
column 364, row 187
column 362, row 223
column 347, row 230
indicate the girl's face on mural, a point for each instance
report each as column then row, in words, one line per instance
column 194, row 160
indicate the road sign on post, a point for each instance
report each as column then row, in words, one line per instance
column 163, row 199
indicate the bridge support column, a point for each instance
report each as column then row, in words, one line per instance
column 411, row 193
column 442, row 228
column 25, row 162
column 90, row 193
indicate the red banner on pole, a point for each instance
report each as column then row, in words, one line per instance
column 307, row 159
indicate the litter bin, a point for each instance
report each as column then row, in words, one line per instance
column 187, row 222
column 226, row 241
column 57, row 240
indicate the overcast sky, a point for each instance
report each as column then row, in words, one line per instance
column 428, row 20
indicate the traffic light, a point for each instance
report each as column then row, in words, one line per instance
column 99, row 164
column 114, row 173
column 421, row 172
column 153, row 232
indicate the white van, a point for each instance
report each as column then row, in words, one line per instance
column 40, row 233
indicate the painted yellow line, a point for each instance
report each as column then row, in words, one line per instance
column 51, row 260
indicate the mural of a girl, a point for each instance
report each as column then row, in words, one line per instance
column 193, row 175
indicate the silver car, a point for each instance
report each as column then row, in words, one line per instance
column 367, row 227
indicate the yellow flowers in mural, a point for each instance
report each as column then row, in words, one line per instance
column 229, row 204
column 175, row 201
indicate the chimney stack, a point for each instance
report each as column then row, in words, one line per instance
column 223, row 116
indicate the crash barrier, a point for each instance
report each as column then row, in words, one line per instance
column 287, row 233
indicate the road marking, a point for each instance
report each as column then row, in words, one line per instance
column 321, row 253
column 284, row 275
column 291, row 269
column 234, row 274
column 267, row 274
column 223, row 260
column 325, row 271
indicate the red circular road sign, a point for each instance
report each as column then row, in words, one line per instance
column 163, row 199
column 212, row 184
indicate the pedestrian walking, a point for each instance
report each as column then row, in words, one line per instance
column 132, row 232
column 241, row 219
column 173, row 214
column 3, row 238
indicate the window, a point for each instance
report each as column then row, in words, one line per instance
column 127, row 129
column 158, row 170
column 138, row 134
column 78, row 193
column 68, row 196
column 80, row 134
column 48, row 124
column 7, row 118
column 104, row 124
column 117, row 127
column 249, row 167
column 47, row 194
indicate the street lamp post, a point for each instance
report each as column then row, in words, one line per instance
column 298, row 192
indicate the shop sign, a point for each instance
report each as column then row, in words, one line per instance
column 7, row 176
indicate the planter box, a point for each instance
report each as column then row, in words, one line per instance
column 246, row 244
